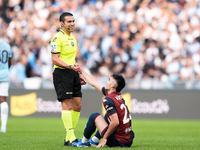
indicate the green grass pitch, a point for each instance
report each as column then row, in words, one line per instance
column 49, row 133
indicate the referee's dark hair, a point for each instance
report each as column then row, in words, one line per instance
column 62, row 16
column 120, row 82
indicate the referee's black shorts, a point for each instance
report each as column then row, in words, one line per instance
column 67, row 84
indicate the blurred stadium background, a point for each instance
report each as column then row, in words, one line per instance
column 154, row 44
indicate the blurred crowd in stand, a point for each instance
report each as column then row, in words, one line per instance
column 148, row 41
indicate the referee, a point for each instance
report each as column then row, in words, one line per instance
column 66, row 78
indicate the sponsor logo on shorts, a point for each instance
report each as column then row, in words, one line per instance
column 69, row 92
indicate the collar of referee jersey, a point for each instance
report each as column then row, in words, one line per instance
column 62, row 31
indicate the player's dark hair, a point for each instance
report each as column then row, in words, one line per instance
column 120, row 82
column 63, row 15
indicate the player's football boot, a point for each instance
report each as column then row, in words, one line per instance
column 80, row 144
column 92, row 143
column 3, row 131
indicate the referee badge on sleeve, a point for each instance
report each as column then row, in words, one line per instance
column 53, row 48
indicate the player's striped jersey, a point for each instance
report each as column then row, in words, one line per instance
column 64, row 45
column 5, row 53
column 114, row 103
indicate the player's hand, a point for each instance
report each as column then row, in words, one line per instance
column 103, row 142
column 76, row 67
column 83, row 81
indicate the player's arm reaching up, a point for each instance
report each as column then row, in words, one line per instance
column 92, row 81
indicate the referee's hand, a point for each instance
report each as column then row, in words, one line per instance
column 76, row 67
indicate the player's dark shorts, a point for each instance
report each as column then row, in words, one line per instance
column 67, row 84
column 113, row 142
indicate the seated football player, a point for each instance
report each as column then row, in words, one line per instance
column 115, row 127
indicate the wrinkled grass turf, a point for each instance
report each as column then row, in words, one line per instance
column 49, row 134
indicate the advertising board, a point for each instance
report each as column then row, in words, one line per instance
column 143, row 104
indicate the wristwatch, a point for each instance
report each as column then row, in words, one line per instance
column 69, row 67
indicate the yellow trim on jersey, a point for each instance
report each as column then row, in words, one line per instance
column 64, row 45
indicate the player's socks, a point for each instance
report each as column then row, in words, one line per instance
column 75, row 118
column 4, row 116
column 67, row 121
column 85, row 140
column 90, row 126
column 95, row 139
column 97, row 135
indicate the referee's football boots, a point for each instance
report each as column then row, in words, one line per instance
column 67, row 143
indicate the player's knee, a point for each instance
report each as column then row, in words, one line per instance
column 94, row 116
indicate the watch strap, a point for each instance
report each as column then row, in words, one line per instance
column 70, row 67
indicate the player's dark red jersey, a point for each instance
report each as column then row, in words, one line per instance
column 114, row 103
